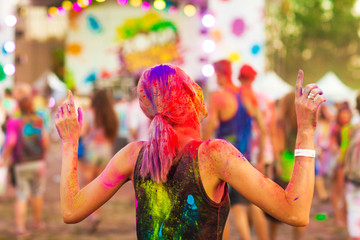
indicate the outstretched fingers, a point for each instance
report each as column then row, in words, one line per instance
column 298, row 86
column 71, row 103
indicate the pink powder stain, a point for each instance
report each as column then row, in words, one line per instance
column 111, row 183
column 80, row 116
column 136, row 203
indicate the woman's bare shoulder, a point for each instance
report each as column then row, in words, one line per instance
column 128, row 155
column 215, row 148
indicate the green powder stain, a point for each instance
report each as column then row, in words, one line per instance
column 321, row 217
column 159, row 205
column 287, row 163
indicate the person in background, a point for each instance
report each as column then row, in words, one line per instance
column 121, row 108
column 326, row 151
column 356, row 117
column 25, row 147
column 352, row 178
column 137, row 122
column 231, row 112
column 10, row 106
column 100, row 132
column 268, row 109
column 341, row 134
column 287, row 133
column 180, row 181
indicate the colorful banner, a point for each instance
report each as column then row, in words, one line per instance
column 109, row 41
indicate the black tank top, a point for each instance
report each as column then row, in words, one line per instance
column 178, row 208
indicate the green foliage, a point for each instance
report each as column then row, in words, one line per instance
column 315, row 35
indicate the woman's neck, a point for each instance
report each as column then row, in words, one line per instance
column 186, row 134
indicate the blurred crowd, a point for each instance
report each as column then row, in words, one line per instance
column 112, row 120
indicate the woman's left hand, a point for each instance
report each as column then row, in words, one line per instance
column 69, row 122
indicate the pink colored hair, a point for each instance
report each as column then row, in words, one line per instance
column 169, row 97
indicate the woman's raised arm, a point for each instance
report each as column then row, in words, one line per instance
column 77, row 204
column 291, row 205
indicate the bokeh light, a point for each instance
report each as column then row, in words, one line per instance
column 9, row 69
column 9, row 47
column 356, row 9
column 84, row 3
column 67, row 5
column 208, row 20
column 208, row 70
column 145, row 6
column 208, row 46
column 100, row 1
column 61, row 11
column 159, row 4
column 122, row 2
column 77, row 7
column 173, row 10
column 189, row 10
column 135, row 3
column 52, row 11
column 10, row 20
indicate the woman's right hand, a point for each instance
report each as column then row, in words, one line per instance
column 68, row 122
column 307, row 103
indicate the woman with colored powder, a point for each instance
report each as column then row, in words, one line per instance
column 284, row 166
column 180, row 181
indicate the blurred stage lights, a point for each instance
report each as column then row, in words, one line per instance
column 208, row 46
column 84, row 3
column 208, row 20
column 100, row 1
column 159, row 4
column 122, row 2
column 67, row 5
column 135, row 3
column 52, row 11
column 189, row 10
column 173, row 10
column 145, row 6
column 61, row 11
column 10, row 20
column 9, row 47
column 76, row 7
column 9, row 69
column 208, row 70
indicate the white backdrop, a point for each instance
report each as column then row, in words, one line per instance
column 239, row 33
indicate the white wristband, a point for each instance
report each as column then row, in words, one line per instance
column 304, row 153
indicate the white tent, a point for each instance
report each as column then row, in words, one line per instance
column 272, row 85
column 335, row 90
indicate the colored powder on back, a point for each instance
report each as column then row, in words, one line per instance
column 159, row 204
